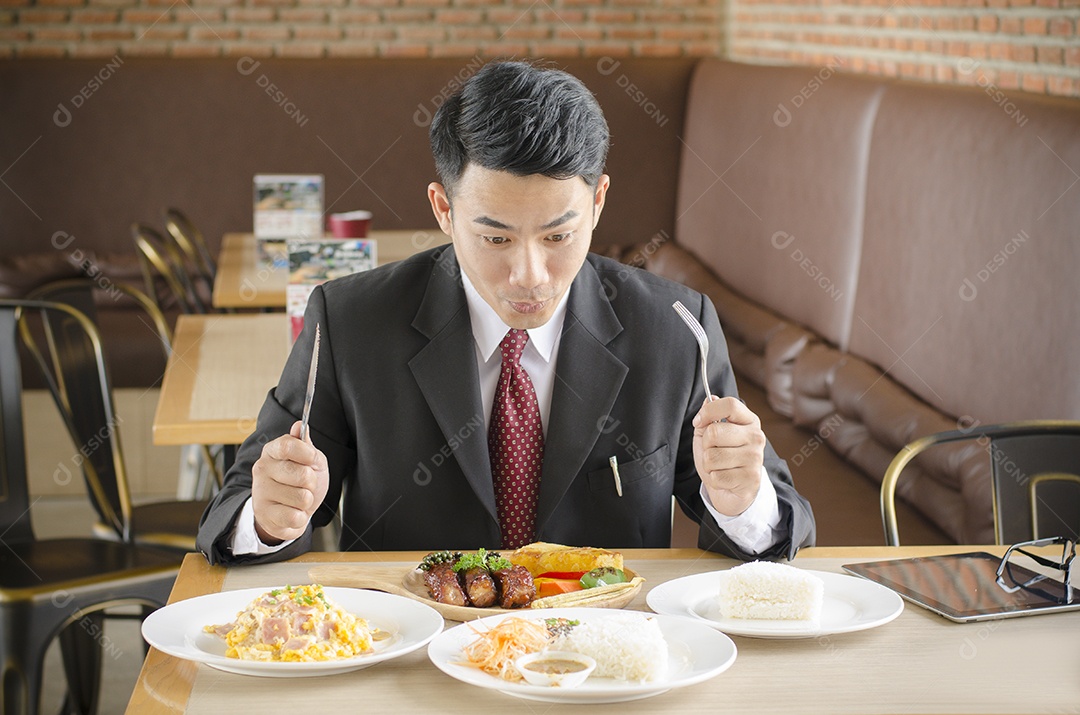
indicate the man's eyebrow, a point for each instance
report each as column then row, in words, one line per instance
column 561, row 220
column 488, row 221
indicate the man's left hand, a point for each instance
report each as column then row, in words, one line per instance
column 729, row 450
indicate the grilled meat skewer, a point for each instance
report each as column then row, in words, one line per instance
column 443, row 585
column 480, row 587
column 516, row 587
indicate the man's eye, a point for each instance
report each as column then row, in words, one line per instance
column 497, row 240
column 556, row 238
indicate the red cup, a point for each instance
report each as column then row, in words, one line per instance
column 353, row 224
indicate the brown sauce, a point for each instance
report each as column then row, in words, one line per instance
column 556, row 666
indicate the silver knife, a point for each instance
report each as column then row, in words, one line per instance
column 310, row 394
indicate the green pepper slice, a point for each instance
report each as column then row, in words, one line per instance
column 603, row 576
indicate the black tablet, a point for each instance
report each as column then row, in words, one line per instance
column 964, row 587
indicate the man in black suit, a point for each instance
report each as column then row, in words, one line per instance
column 414, row 354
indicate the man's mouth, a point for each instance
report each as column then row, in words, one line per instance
column 529, row 307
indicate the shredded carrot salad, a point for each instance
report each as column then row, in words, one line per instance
column 495, row 651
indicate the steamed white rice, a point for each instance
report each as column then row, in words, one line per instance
column 625, row 646
column 770, row 591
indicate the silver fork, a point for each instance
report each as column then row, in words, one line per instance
column 702, row 340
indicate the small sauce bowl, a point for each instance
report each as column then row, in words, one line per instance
column 555, row 668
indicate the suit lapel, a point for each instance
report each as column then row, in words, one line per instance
column 445, row 370
column 588, row 378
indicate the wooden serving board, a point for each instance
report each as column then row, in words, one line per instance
column 410, row 584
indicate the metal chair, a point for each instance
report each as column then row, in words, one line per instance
column 72, row 361
column 166, row 279
column 196, row 258
column 190, row 240
column 1035, row 468
column 56, row 587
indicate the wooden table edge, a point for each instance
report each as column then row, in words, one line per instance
column 165, row 682
column 203, row 432
column 168, row 409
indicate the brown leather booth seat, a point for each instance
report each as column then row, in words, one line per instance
column 133, row 350
column 748, row 327
column 895, row 259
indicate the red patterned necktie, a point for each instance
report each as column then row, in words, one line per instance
column 516, row 445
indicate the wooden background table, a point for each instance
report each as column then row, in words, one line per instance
column 218, row 375
column 243, row 282
column 918, row 663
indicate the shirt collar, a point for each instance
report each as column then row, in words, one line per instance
column 489, row 329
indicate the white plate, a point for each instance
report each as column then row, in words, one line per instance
column 850, row 604
column 177, row 629
column 695, row 654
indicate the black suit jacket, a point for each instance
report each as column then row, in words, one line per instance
column 397, row 413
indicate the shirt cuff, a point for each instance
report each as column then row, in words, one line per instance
column 245, row 540
column 755, row 529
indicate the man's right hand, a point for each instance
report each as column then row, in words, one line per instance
column 288, row 483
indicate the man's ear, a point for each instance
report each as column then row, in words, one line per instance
column 440, row 206
column 599, row 196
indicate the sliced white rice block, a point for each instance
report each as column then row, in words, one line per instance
column 763, row 590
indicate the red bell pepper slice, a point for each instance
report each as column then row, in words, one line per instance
column 563, row 574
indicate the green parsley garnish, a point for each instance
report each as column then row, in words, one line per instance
column 482, row 559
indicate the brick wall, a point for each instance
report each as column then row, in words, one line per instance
column 1012, row 44
column 360, row 28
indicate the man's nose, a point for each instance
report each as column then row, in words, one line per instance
column 530, row 268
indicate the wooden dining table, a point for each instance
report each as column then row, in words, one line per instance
column 917, row 663
column 220, row 370
column 246, row 280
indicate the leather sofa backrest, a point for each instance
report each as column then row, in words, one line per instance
column 771, row 186
column 968, row 293
column 93, row 145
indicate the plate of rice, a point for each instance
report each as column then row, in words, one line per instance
column 771, row 600
column 637, row 654
column 292, row 631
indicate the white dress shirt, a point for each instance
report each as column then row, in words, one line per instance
column 754, row 530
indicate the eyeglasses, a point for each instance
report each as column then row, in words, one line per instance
column 1064, row 565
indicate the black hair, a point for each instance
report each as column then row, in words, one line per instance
column 522, row 119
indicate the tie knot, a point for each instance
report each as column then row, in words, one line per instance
column 513, row 345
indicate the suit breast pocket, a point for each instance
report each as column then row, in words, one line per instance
column 651, row 470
